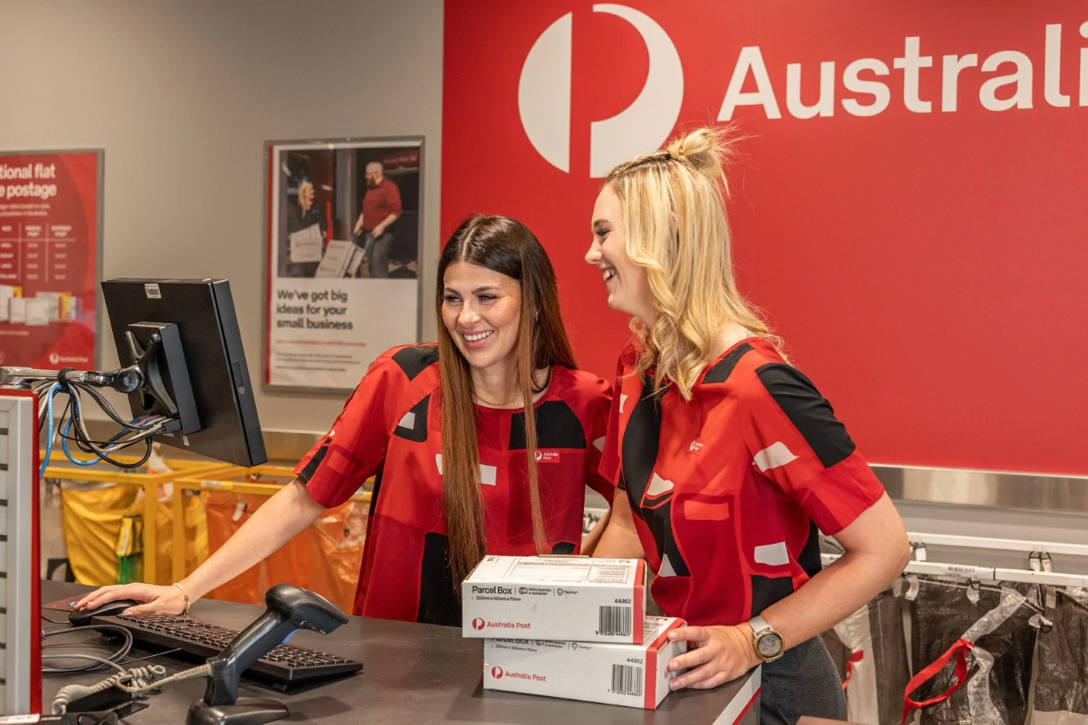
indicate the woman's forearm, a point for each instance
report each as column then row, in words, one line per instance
column 877, row 551
column 271, row 526
column 832, row 595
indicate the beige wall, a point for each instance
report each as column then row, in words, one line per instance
column 182, row 96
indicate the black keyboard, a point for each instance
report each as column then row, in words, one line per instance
column 284, row 666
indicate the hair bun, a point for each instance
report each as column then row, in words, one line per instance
column 706, row 149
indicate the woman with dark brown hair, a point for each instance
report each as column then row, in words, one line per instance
column 461, row 471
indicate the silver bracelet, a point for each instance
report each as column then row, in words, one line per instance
column 182, row 590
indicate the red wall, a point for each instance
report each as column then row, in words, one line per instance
column 926, row 269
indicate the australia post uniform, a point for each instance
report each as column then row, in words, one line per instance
column 391, row 428
column 729, row 490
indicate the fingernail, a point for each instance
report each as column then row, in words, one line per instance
column 674, row 685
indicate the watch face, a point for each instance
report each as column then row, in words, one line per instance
column 769, row 645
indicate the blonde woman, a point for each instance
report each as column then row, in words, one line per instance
column 730, row 458
column 302, row 215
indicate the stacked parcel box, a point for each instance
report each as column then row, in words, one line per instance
column 569, row 627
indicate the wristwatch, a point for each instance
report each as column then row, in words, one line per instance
column 766, row 640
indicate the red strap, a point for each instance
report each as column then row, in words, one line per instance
column 959, row 676
column 855, row 657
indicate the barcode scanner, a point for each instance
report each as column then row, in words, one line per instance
column 289, row 609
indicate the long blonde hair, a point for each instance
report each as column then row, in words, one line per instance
column 673, row 204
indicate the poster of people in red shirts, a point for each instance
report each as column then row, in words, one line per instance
column 50, row 218
column 343, row 258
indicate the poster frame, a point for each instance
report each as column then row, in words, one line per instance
column 100, row 196
column 269, row 226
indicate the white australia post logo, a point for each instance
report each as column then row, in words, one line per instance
column 931, row 80
column 544, row 97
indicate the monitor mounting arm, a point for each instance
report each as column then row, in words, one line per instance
column 144, row 373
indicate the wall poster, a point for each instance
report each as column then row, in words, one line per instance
column 50, row 223
column 343, row 258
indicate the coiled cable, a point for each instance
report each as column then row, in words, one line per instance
column 137, row 680
column 138, row 675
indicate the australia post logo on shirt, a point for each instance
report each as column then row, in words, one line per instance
column 547, row 456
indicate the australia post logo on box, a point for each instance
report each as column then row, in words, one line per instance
column 498, row 673
column 479, row 624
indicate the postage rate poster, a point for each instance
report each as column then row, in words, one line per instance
column 50, row 216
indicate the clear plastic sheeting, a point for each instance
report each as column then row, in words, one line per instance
column 870, row 651
column 1061, row 687
column 989, row 635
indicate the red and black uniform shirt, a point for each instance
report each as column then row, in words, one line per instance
column 391, row 428
column 728, row 490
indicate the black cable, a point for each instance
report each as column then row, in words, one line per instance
column 147, row 455
column 107, row 408
column 115, row 657
column 71, row 416
column 142, row 432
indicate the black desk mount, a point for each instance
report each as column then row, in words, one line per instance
column 157, row 376
column 289, row 608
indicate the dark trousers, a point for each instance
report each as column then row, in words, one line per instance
column 377, row 254
column 801, row 682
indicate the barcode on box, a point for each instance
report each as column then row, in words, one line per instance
column 615, row 622
column 627, row 680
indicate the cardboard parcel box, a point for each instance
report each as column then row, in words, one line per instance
column 560, row 598
column 634, row 675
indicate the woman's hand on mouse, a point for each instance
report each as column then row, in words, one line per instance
column 156, row 599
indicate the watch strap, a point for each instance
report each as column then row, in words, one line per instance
column 760, row 628
column 758, row 625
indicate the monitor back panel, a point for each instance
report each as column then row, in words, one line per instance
column 203, row 310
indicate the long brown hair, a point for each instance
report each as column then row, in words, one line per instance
column 505, row 246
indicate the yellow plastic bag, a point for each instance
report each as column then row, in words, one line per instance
column 91, row 519
column 196, row 534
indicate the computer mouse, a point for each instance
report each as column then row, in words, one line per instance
column 81, row 617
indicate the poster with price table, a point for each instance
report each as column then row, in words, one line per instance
column 50, row 224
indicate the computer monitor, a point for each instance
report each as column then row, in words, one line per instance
column 224, row 416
